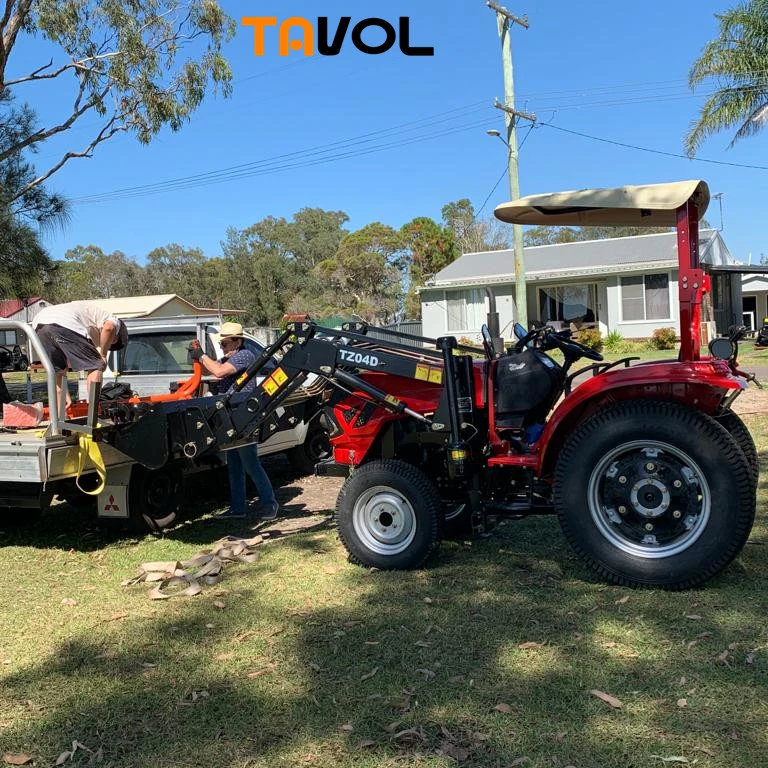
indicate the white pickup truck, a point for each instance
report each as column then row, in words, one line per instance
column 39, row 464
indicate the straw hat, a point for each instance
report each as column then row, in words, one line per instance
column 231, row 331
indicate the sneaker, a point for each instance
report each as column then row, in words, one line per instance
column 229, row 514
column 270, row 511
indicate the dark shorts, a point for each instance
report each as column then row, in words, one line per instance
column 67, row 348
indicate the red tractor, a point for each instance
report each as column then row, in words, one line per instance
column 651, row 474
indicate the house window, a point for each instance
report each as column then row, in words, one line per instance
column 465, row 310
column 645, row 297
column 568, row 303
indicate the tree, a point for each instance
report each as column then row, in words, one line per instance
column 557, row 235
column 122, row 63
column 24, row 210
column 430, row 247
column 473, row 235
column 365, row 274
column 737, row 62
column 89, row 273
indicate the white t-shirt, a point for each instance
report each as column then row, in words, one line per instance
column 82, row 317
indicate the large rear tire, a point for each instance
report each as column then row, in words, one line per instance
column 743, row 438
column 389, row 515
column 654, row 494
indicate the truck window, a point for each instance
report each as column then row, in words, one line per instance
column 157, row 353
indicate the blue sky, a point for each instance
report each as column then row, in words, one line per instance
column 614, row 71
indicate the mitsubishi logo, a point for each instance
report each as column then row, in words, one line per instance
column 110, row 505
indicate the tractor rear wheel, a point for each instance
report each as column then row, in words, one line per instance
column 389, row 515
column 742, row 436
column 654, row 494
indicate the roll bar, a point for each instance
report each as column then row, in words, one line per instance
column 50, row 373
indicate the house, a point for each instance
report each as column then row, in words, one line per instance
column 626, row 284
column 158, row 305
column 754, row 289
column 23, row 310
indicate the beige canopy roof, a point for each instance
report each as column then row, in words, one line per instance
column 649, row 205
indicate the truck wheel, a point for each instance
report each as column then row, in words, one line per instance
column 744, row 439
column 654, row 494
column 389, row 515
column 23, row 364
column 315, row 448
column 154, row 497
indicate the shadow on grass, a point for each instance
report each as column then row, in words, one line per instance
column 293, row 675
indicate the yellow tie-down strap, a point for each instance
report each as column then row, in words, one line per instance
column 87, row 449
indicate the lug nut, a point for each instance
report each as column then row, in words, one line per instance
column 677, row 483
column 649, row 526
column 622, row 509
column 622, row 479
column 677, row 514
column 650, row 467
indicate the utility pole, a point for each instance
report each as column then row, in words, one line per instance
column 504, row 20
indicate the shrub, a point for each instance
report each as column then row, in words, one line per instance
column 614, row 341
column 590, row 337
column 663, row 338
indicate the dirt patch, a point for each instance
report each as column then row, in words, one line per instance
column 752, row 400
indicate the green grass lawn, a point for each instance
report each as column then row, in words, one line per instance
column 485, row 658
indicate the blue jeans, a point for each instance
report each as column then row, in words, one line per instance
column 240, row 461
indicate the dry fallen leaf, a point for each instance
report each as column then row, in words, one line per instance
column 20, row 759
column 682, row 703
column 607, row 698
column 672, row 759
column 366, row 743
column 518, row 761
column 369, row 675
column 314, row 667
column 226, row 656
column 722, row 658
column 63, row 757
column 347, row 728
column 693, row 616
column 449, row 749
column 622, row 600
column 529, row 644
column 428, row 673
column 392, row 727
column 422, row 644
column 67, row 601
column 220, row 604
column 750, row 658
column 505, row 709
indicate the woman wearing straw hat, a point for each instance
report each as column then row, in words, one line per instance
column 244, row 459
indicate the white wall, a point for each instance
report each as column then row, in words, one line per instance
column 641, row 329
column 434, row 314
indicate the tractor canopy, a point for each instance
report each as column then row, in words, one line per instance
column 648, row 205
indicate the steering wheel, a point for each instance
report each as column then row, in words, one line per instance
column 490, row 351
column 579, row 350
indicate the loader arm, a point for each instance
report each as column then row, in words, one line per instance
column 203, row 425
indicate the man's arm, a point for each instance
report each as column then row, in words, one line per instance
column 107, row 337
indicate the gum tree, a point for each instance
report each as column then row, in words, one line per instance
column 133, row 66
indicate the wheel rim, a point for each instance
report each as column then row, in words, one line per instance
column 649, row 499
column 384, row 520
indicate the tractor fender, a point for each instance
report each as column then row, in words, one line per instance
column 701, row 385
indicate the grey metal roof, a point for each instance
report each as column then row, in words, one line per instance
column 612, row 255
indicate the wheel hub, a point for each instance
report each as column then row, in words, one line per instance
column 649, row 499
column 385, row 520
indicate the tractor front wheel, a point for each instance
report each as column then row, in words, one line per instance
column 389, row 515
column 654, row 494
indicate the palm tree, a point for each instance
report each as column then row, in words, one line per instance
column 737, row 61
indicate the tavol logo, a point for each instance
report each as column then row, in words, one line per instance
column 331, row 47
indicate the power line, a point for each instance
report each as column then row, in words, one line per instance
column 407, row 127
column 654, row 151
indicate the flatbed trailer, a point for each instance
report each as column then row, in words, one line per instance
column 57, row 458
